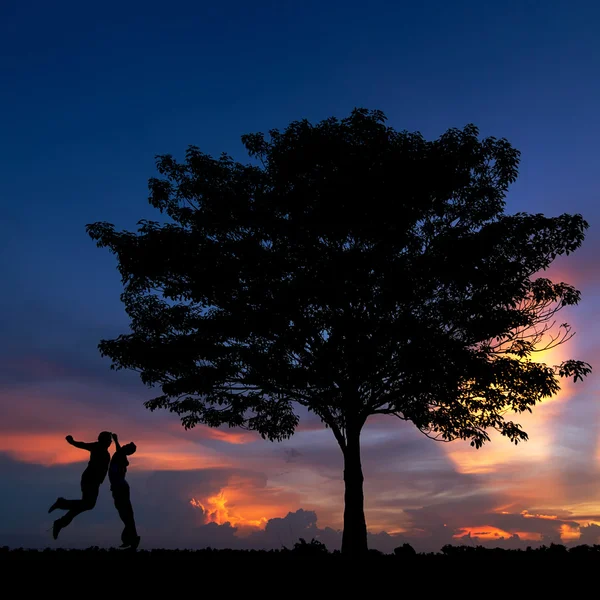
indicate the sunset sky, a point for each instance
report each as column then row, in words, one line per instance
column 91, row 93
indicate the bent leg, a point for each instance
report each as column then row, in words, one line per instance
column 64, row 504
column 78, row 507
column 89, row 496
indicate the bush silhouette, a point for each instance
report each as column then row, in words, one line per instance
column 405, row 551
column 315, row 548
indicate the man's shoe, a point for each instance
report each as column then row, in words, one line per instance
column 136, row 543
column 56, row 528
column 55, row 505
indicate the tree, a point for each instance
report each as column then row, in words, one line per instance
column 354, row 270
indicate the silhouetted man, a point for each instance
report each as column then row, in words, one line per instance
column 120, row 492
column 91, row 479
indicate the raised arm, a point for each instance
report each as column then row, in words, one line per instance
column 116, row 441
column 82, row 445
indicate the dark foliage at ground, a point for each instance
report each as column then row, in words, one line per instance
column 302, row 550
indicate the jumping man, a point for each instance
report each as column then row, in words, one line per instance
column 91, row 479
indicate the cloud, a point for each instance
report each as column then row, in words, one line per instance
column 35, row 418
column 590, row 534
column 481, row 521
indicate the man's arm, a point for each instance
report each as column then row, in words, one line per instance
column 82, row 445
column 116, row 441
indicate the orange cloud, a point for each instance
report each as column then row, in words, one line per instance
column 33, row 426
column 484, row 533
column 529, row 536
column 44, row 449
column 52, row 449
column 568, row 533
column 162, row 458
column 229, row 436
column 243, row 506
column 216, row 510
column 527, row 515
column 587, row 511
column 232, row 437
column 488, row 533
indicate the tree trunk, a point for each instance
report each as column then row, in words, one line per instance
column 354, row 538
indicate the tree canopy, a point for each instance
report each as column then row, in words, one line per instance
column 349, row 268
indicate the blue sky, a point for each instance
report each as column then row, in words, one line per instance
column 90, row 94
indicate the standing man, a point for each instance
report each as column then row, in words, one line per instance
column 91, row 479
column 120, row 492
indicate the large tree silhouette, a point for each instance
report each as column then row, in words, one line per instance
column 351, row 269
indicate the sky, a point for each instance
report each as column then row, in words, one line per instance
column 91, row 93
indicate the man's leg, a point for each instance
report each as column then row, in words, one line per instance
column 129, row 536
column 89, row 496
column 87, row 484
column 64, row 504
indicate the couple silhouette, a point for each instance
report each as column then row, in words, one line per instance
column 92, row 478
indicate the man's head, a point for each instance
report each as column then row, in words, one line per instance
column 129, row 448
column 105, row 438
